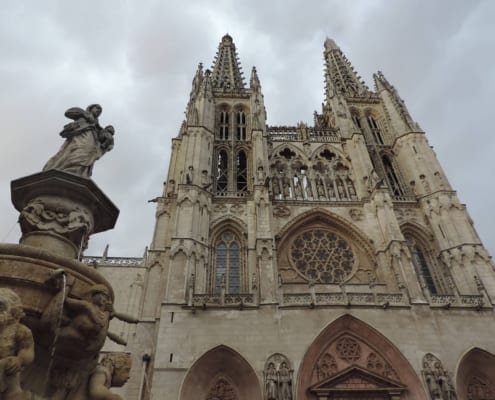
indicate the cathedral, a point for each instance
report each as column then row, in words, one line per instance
column 323, row 260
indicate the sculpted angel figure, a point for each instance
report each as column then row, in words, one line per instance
column 113, row 370
column 85, row 142
column 16, row 345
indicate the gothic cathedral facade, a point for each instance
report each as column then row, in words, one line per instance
column 330, row 260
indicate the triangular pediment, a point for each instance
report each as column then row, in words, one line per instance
column 357, row 379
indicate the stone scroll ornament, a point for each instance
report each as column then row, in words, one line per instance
column 437, row 379
column 16, row 345
column 85, row 142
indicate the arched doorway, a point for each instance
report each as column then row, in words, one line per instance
column 351, row 360
column 476, row 376
column 221, row 374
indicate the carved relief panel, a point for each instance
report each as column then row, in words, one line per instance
column 347, row 351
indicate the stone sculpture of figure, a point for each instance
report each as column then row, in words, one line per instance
column 271, row 382
column 113, row 370
column 85, row 142
column 286, row 188
column 285, row 381
column 432, row 383
column 319, row 188
column 298, row 188
column 16, row 345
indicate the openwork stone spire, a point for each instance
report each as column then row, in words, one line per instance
column 226, row 68
column 340, row 76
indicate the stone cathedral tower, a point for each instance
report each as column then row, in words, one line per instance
column 330, row 260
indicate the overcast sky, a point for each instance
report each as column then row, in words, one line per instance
column 137, row 59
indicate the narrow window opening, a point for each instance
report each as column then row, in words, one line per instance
column 241, row 165
column 392, row 178
column 172, row 317
column 241, row 125
column 375, row 130
column 224, row 125
column 222, row 171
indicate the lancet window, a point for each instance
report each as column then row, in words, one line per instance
column 375, row 130
column 392, row 177
column 222, row 172
column 241, row 172
column 227, row 263
column 422, row 265
column 241, row 128
column 223, row 126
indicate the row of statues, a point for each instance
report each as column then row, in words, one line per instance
column 302, row 187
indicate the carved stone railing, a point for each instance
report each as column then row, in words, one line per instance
column 447, row 301
column 404, row 199
column 225, row 300
column 344, row 299
column 292, row 133
column 442, row 299
column 232, row 194
column 114, row 261
column 324, row 135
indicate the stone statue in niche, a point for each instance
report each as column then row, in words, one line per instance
column 16, row 345
column 271, row 385
column 320, row 190
column 85, row 142
column 298, row 188
column 113, row 370
column 278, row 378
column 437, row 379
column 285, row 382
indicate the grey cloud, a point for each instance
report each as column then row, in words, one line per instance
column 138, row 61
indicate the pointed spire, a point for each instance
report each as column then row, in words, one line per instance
column 382, row 84
column 254, row 82
column 227, row 74
column 340, row 75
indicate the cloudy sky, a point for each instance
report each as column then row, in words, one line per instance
column 137, row 59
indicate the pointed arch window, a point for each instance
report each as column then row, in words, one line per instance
column 227, row 259
column 423, row 269
column 375, row 130
column 223, row 131
column 357, row 122
column 241, row 125
column 222, row 172
column 392, row 178
column 241, row 172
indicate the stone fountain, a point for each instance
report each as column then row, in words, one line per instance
column 55, row 310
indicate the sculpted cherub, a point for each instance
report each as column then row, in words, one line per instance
column 16, row 345
column 113, row 370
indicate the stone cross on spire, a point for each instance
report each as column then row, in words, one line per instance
column 340, row 75
column 226, row 70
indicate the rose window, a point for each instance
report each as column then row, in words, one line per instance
column 322, row 256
